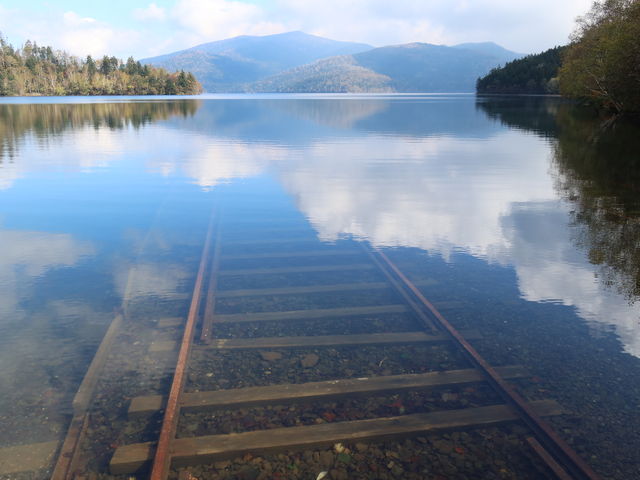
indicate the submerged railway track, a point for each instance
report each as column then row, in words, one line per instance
column 196, row 391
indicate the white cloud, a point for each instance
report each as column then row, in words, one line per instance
column 374, row 22
column 520, row 26
column 72, row 19
column 69, row 31
column 85, row 35
column 151, row 12
column 94, row 41
column 218, row 19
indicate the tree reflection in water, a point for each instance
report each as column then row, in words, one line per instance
column 597, row 170
column 45, row 121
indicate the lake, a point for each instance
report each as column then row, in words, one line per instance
column 517, row 217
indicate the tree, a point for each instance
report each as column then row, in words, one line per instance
column 27, row 49
column 108, row 65
column 91, row 66
column 602, row 64
column 34, row 70
column 170, row 86
column 105, row 66
column 131, row 67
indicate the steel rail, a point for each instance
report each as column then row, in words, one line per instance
column 402, row 291
column 554, row 445
column 162, row 456
column 210, row 303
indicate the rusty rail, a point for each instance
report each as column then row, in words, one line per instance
column 398, row 287
column 558, row 456
column 68, row 455
column 162, row 457
column 555, row 446
column 546, row 457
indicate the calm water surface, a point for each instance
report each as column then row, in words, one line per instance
column 520, row 216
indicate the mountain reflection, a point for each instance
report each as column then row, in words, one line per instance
column 44, row 121
column 296, row 121
column 346, row 113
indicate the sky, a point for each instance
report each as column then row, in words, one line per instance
column 142, row 29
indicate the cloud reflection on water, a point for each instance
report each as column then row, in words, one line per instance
column 491, row 197
column 435, row 174
column 27, row 256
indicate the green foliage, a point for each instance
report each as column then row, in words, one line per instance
column 533, row 74
column 34, row 70
column 602, row 65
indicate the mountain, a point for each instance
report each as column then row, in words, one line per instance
column 341, row 74
column 414, row 67
column 533, row 74
column 490, row 49
column 228, row 64
column 298, row 62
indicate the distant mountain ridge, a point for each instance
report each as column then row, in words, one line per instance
column 491, row 49
column 228, row 64
column 297, row 62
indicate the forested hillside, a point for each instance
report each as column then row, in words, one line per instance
column 533, row 74
column 336, row 74
column 413, row 67
column 34, row 70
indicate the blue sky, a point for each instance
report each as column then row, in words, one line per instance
column 143, row 28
